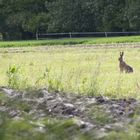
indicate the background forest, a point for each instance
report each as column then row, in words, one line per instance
column 21, row 19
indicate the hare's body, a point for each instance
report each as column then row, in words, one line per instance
column 123, row 66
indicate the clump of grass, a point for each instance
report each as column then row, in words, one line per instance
column 55, row 81
column 15, row 77
column 48, row 128
column 94, row 88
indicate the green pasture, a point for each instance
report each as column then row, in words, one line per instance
column 70, row 41
column 86, row 71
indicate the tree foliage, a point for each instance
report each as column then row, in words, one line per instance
column 21, row 19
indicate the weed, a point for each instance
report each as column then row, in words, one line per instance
column 15, row 79
column 94, row 81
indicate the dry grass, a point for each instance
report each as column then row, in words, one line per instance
column 78, row 70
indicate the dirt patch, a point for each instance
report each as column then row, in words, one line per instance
column 89, row 113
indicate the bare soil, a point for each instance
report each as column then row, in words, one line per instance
column 99, row 114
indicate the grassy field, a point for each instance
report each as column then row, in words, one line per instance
column 89, row 71
column 83, row 70
column 72, row 41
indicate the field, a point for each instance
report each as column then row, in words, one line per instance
column 70, row 41
column 78, row 70
column 62, row 91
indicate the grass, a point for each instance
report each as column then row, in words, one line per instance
column 70, row 41
column 24, row 129
column 78, row 70
column 88, row 71
column 28, row 129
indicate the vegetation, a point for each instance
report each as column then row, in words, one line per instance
column 23, row 118
column 81, row 70
column 28, row 129
column 70, row 41
column 69, row 88
column 89, row 71
column 22, row 19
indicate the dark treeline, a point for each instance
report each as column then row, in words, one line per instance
column 21, row 19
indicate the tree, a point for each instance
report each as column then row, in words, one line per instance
column 133, row 14
column 22, row 18
column 71, row 16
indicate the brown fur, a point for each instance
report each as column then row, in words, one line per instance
column 123, row 66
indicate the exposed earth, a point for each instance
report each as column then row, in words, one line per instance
column 98, row 114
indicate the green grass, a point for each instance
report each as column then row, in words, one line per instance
column 89, row 71
column 57, row 129
column 72, row 41
column 29, row 129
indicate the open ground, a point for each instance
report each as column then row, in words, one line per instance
column 85, row 69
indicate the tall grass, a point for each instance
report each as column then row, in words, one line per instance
column 87, row 71
column 15, row 77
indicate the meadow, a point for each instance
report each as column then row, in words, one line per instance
column 79, row 70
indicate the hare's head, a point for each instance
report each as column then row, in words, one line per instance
column 121, row 56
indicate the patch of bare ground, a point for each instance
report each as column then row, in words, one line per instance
column 99, row 114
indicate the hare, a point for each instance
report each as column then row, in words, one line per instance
column 123, row 66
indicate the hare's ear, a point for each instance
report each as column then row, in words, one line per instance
column 122, row 53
